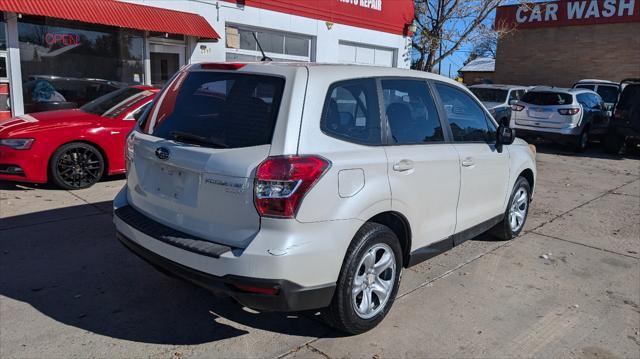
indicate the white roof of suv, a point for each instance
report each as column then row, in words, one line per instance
column 596, row 81
column 571, row 91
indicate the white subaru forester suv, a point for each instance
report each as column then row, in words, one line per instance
column 293, row 187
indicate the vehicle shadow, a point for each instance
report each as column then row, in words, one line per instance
column 22, row 186
column 74, row 271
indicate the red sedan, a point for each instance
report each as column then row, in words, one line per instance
column 72, row 148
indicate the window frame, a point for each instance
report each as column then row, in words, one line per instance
column 443, row 114
column 376, row 98
column 386, row 128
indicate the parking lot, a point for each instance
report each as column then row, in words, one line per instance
column 567, row 287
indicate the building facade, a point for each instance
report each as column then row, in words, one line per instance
column 559, row 43
column 63, row 54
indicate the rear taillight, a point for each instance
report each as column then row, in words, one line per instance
column 517, row 107
column 568, row 111
column 128, row 151
column 283, row 181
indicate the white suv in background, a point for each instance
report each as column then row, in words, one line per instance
column 302, row 186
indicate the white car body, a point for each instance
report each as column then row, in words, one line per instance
column 440, row 194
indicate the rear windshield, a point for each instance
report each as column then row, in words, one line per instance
column 609, row 94
column 115, row 103
column 217, row 109
column 630, row 96
column 490, row 95
column 547, row 98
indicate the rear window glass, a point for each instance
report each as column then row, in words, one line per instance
column 113, row 104
column 217, row 109
column 609, row 94
column 547, row 98
column 351, row 112
column 588, row 87
column 489, row 95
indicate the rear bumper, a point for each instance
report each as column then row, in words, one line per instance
column 290, row 296
column 302, row 260
column 561, row 137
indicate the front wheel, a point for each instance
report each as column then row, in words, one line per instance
column 516, row 213
column 368, row 281
column 76, row 165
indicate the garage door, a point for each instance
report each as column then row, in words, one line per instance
column 365, row 55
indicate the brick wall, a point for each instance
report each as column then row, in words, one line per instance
column 471, row 78
column 561, row 56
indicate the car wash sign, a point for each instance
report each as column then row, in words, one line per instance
column 567, row 13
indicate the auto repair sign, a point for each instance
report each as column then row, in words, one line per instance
column 567, row 13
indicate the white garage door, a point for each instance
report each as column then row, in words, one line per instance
column 365, row 55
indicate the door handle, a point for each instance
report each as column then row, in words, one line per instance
column 403, row 166
column 468, row 162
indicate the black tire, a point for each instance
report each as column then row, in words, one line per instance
column 613, row 143
column 76, row 165
column 341, row 314
column 582, row 141
column 504, row 230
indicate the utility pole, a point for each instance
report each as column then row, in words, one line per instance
column 449, row 70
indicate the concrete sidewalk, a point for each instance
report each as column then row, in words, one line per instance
column 69, row 289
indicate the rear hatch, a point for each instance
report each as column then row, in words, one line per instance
column 541, row 109
column 194, row 160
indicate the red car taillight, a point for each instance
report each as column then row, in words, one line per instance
column 568, row 111
column 283, row 181
column 517, row 108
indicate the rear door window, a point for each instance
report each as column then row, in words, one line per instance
column 351, row 112
column 547, row 98
column 467, row 120
column 411, row 112
column 217, row 109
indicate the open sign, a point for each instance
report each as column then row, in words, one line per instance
column 64, row 39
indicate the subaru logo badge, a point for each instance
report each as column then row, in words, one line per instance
column 162, row 153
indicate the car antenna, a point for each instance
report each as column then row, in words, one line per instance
column 264, row 56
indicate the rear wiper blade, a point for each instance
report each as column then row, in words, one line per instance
column 195, row 139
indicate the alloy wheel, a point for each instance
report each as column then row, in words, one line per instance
column 518, row 210
column 79, row 167
column 374, row 281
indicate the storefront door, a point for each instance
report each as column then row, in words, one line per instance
column 166, row 60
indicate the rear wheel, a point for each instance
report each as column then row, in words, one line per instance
column 582, row 141
column 368, row 281
column 516, row 213
column 76, row 165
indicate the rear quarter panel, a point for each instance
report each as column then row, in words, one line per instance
column 356, row 186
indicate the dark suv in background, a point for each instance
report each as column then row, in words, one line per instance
column 498, row 99
column 624, row 127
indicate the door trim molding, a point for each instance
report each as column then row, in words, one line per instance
column 422, row 254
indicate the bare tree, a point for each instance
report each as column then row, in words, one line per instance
column 442, row 26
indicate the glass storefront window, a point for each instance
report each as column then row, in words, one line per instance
column 294, row 47
column 3, row 35
column 67, row 64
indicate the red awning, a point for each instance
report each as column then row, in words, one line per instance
column 116, row 13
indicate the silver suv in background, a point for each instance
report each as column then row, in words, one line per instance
column 305, row 186
column 568, row 116
column 498, row 99
column 608, row 90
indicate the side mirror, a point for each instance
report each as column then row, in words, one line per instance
column 506, row 136
column 513, row 102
